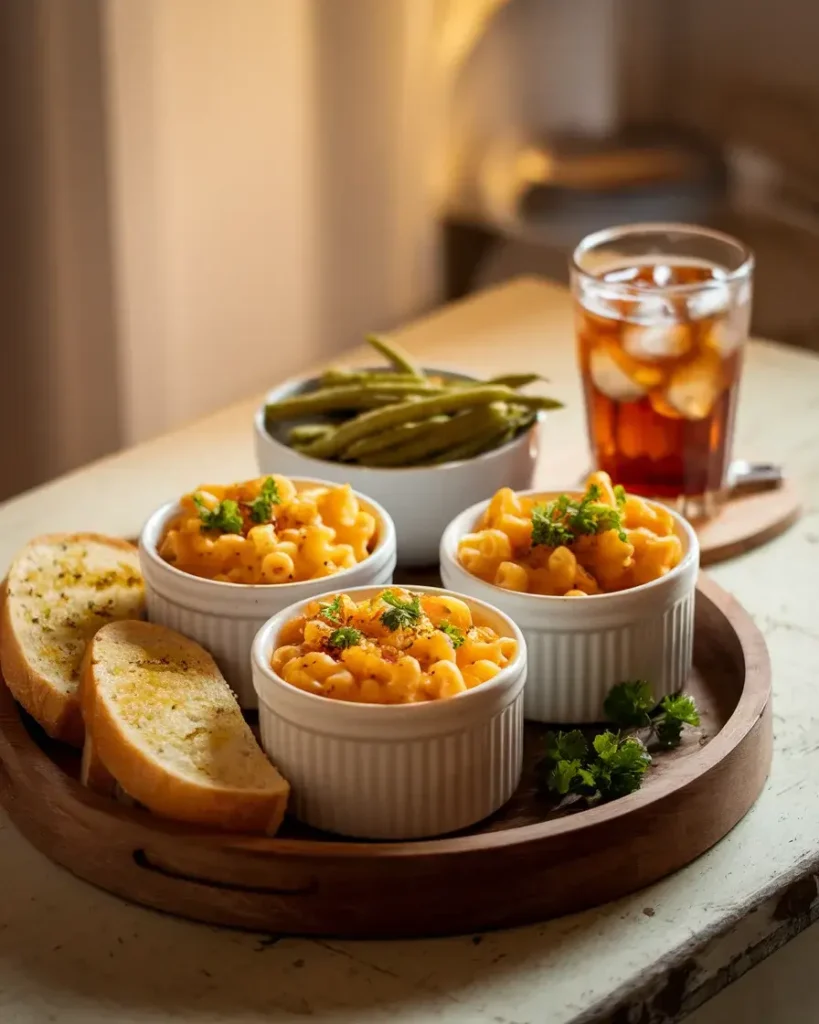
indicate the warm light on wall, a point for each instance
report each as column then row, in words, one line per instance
column 463, row 23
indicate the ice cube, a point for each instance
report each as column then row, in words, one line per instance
column 728, row 333
column 659, row 341
column 694, row 388
column 612, row 380
column 709, row 301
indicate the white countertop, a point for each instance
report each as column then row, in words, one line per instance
column 72, row 954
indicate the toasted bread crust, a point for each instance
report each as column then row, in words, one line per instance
column 58, row 712
column 93, row 773
column 158, row 786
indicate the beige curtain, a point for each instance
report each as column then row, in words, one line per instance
column 204, row 195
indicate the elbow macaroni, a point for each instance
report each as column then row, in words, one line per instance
column 441, row 654
column 313, row 532
column 500, row 551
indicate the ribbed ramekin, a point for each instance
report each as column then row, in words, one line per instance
column 401, row 771
column 225, row 617
column 579, row 648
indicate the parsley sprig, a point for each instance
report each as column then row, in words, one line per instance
column 562, row 520
column 613, row 763
column 611, row 767
column 331, row 611
column 261, row 508
column 456, row 635
column 632, row 705
column 345, row 636
column 225, row 518
column 400, row 613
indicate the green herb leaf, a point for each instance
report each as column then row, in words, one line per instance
column 668, row 732
column 612, row 767
column 622, row 762
column 606, row 745
column 332, row 610
column 681, row 707
column 566, row 746
column 345, row 636
column 628, row 704
column 457, row 636
column 261, row 508
column 563, row 519
column 225, row 518
column 546, row 529
column 620, row 496
column 676, row 711
column 400, row 613
column 562, row 776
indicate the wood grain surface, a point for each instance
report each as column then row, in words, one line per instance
column 748, row 521
column 526, row 863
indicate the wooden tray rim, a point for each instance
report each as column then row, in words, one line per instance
column 755, row 697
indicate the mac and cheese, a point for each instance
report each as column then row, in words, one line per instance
column 268, row 531
column 397, row 648
column 608, row 540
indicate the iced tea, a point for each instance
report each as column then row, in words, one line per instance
column 660, row 342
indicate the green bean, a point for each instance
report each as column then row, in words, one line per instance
column 450, row 400
column 339, row 378
column 516, row 380
column 357, row 396
column 442, row 438
column 536, row 402
column 481, row 442
column 388, row 438
column 400, row 359
column 304, row 433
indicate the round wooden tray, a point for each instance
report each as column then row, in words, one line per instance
column 526, row 863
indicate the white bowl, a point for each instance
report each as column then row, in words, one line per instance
column 421, row 499
column 400, row 771
column 579, row 648
column 225, row 617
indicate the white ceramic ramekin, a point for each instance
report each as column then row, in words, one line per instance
column 422, row 499
column 579, row 647
column 225, row 617
column 401, row 771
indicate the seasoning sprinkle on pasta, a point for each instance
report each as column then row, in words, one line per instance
column 373, row 659
column 268, row 531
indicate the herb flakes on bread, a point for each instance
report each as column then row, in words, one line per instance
column 60, row 589
column 166, row 725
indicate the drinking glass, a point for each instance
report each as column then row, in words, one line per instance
column 662, row 314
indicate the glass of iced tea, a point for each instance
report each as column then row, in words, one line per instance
column 662, row 313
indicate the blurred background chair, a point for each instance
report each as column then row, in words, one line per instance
column 201, row 197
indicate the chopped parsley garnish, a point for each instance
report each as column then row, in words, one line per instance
column 560, row 521
column 400, row 613
column 456, row 635
column 345, row 636
column 261, row 508
column 225, row 518
column 332, row 610
column 620, row 495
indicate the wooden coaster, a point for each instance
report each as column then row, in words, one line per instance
column 747, row 521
